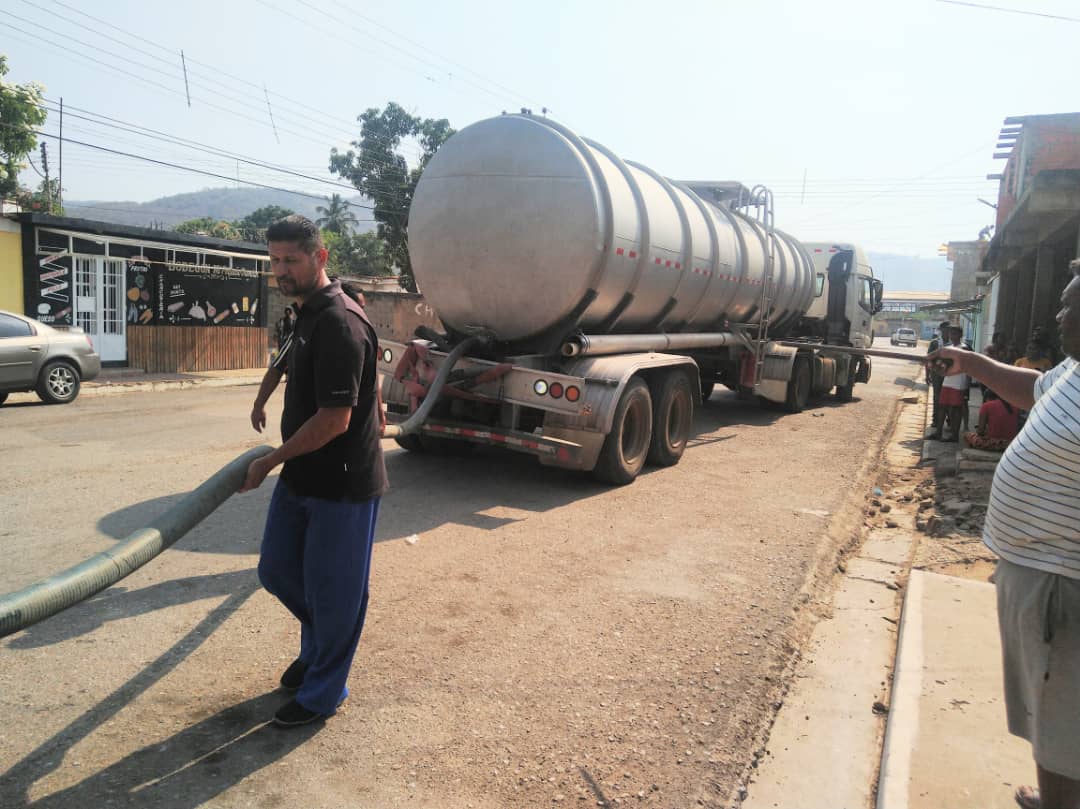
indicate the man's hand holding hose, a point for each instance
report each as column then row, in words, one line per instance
column 1014, row 385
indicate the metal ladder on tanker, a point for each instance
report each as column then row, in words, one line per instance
column 760, row 199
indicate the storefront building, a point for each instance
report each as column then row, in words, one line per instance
column 157, row 300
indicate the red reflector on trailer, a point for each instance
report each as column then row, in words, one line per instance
column 572, row 394
column 556, row 390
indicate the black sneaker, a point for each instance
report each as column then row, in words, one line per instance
column 292, row 713
column 293, row 677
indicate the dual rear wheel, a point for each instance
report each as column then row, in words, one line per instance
column 649, row 426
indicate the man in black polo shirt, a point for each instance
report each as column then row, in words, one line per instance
column 316, row 550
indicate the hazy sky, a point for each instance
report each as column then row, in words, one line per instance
column 889, row 109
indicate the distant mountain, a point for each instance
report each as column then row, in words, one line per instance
column 219, row 203
column 911, row 273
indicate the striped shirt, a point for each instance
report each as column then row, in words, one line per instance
column 1033, row 518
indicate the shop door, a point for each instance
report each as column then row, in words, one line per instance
column 99, row 305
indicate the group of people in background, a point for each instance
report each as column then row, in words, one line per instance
column 999, row 421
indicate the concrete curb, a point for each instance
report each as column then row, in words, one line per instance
column 116, row 388
column 823, row 750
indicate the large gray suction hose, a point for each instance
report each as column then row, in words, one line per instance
column 413, row 423
column 49, row 596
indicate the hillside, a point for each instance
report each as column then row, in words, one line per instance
column 220, row 203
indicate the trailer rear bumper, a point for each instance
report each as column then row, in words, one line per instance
column 551, row 451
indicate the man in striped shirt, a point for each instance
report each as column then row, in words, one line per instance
column 1033, row 525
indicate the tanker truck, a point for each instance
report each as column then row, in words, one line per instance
column 589, row 304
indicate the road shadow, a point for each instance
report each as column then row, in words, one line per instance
column 185, row 770
column 234, row 527
column 16, row 784
column 119, row 602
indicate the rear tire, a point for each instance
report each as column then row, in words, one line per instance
column 798, row 390
column 672, row 416
column 58, row 383
column 627, row 445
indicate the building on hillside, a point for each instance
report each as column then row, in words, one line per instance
column 1038, row 226
column 901, row 309
column 150, row 299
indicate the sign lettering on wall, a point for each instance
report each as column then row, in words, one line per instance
column 193, row 295
column 53, row 298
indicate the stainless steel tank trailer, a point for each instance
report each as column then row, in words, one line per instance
column 601, row 302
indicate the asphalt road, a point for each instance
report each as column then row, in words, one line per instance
column 533, row 639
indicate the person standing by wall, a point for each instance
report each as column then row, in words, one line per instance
column 934, row 380
column 285, row 327
column 1033, row 525
column 317, row 544
column 954, row 390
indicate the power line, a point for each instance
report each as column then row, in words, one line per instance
column 513, row 94
column 217, row 72
column 338, row 21
column 1011, row 10
column 362, row 136
column 321, row 198
column 154, row 134
column 377, row 192
column 332, row 136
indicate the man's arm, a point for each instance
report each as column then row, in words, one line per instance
column 1015, row 385
column 318, row 431
column 267, row 387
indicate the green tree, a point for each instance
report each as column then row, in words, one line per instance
column 208, row 226
column 336, row 217
column 46, row 199
column 253, row 226
column 356, row 254
column 376, row 168
column 21, row 113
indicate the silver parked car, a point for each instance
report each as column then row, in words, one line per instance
column 34, row 356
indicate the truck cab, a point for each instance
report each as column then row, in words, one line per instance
column 846, row 294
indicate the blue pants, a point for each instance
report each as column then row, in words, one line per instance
column 316, row 556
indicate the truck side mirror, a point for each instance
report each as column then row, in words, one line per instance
column 877, row 291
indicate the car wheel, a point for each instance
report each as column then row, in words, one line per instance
column 58, row 383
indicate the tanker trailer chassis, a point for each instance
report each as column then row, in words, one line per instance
column 609, row 415
column 601, row 406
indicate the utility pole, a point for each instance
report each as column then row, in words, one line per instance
column 45, row 168
column 60, row 178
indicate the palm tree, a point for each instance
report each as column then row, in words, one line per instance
column 336, row 217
